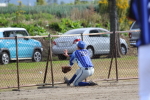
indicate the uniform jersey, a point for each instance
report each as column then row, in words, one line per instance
column 140, row 11
column 81, row 57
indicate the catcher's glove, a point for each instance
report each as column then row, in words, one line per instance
column 66, row 69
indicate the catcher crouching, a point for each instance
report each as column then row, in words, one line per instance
column 86, row 68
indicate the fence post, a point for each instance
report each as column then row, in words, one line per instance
column 114, row 51
column 82, row 36
column 18, row 82
column 82, row 40
column 51, row 63
column 45, row 75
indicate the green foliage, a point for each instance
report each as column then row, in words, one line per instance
column 19, row 12
column 64, row 25
column 3, row 22
column 42, row 15
column 58, row 10
column 32, row 29
column 54, row 19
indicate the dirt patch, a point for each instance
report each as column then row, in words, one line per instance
column 122, row 90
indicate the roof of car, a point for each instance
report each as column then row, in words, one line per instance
column 84, row 29
column 11, row 28
column 89, row 28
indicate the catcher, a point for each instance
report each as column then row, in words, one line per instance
column 86, row 68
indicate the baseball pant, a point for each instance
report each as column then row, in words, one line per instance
column 82, row 74
column 144, row 72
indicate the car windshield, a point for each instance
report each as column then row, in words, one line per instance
column 1, row 34
column 74, row 32
column 135, row 26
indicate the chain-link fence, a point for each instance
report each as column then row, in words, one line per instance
column 38, row 59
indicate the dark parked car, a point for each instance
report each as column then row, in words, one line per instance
column 134, row 36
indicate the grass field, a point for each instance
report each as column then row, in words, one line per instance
column 33, row 73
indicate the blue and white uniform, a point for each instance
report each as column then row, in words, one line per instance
column 140, row 11
column 86, row 67
column 84, row 62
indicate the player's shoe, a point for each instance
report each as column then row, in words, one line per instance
column 66, row 81
column 91, row 83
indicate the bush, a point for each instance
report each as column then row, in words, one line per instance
column 32, row 29
column 4, row 22
column 64, row 25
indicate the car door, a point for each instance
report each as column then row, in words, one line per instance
column 96, row 41
column 100, row 42
column 25, row 45
column 105, row 38
column 9, row 44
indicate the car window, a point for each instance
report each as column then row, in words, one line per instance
column 21, row 33
column 8, row 34
column 104, row 35
column 135, row 25
column 94, row 31
column 1, row 34
column 74, row 32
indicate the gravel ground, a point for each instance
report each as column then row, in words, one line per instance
column 121, row 90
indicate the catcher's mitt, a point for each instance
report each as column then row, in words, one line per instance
column 66, row 69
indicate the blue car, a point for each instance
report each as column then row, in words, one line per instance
column 27, row 48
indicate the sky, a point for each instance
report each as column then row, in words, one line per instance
column 32, row 2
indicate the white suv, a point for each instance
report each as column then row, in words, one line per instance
column 95, row 44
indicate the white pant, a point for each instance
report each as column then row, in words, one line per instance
column 82, row 74
column 144, row 72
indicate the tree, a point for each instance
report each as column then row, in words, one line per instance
column 52, row 1
column 55, row 1
column 117, row 10
column 40, row 2
column 77, row 2
column 62, row 2
column 49, row 1
column 114, row 38
column 7, row 1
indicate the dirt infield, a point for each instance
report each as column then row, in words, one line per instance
column 121, row 90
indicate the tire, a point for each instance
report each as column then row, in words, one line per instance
column 5, row 58
column 123, row 50
column 91, row 52
column 62, row 57
column 37, row 56
column 96, row 56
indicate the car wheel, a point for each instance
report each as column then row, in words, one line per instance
column 62, row 57
column 4, row 58
column 37, row 56
column 123, row 50
column 91, row 52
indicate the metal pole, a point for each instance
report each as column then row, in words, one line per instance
column 82, row 36
column 112, row 56
column 47, row 63
column 82, row 40
column 116, row 49
column 51, row 63
column 16, row 40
